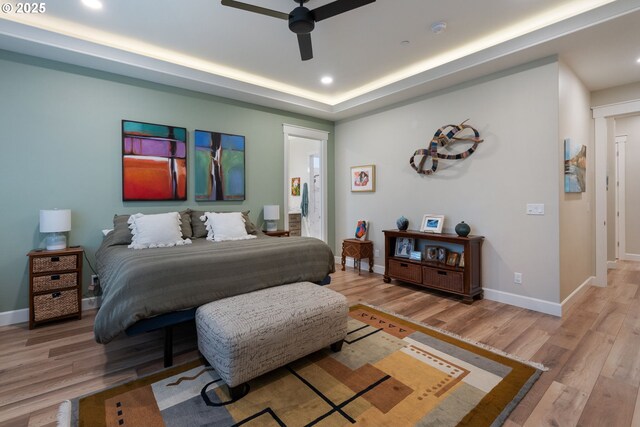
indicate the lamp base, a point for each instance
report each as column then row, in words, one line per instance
column 56, row 242
column 272, row 225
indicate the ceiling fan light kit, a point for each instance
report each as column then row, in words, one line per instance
column 302, row 20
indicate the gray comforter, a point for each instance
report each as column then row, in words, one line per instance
column 138, row 284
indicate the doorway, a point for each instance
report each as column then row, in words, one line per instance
column 305, row 197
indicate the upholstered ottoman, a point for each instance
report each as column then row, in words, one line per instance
column 248, row 335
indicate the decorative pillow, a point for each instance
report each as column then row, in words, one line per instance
column 200, row 229
column 185, row 223
column 156, row 231
column 121, row 234
column 226, row 226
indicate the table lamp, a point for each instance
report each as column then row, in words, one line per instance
column 272, row 216
column 55, row 221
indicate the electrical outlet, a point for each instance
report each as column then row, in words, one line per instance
column 95, row 282
column 376, row 252
column 517, row 278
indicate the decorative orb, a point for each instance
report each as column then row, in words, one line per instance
column 463, row 229
column 402, row 223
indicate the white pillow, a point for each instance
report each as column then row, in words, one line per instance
column 156, row 231
column 225, row 226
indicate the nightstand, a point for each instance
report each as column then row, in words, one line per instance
column 277, row 233
column 357, row 249
column 55, row 285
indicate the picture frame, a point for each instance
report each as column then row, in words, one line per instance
column 430, row 253
column 432, row 223
column 295, row 186
column 461, row 262
column 452, row 259
column 442, row 255
column 219, row 166
column 362, row 228
column 415, row 255
column 404, row 246
column 154, row 162
column 363, row 178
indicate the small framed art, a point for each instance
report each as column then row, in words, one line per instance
column 442, row 255
column 404, row 246
column 432, row 223
column 430, row 253
column 461, row 262
column 452, row 259
column 362, row 228
column 363, row 178
column 415, row 255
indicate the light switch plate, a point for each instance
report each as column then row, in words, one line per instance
column 535, row 208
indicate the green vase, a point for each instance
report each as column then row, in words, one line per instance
column 463, row 229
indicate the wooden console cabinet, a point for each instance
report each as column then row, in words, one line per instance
column 462, row 281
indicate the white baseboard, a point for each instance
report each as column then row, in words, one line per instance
column 20, row 316
column 364, row 265
column 612, row 265
column 530, row 303
column 571, row 299
column 631, row 257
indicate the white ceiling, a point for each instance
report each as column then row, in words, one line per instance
column 202, row 45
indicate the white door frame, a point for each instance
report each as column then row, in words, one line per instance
column 621, row 243
column 323, row 137
column 600, row 116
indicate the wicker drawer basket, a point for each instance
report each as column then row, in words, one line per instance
column 54, row 263
column 55, row 304
column 443, row 279
column 55, row 281
column 405, row 271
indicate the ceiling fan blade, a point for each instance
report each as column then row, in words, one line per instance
column 256, row 9
column 337, row 7
column 306, row 50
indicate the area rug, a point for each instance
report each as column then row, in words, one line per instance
column 390, row 372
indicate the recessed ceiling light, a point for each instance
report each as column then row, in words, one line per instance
column 93, row 4
column 326, row 80
column 438, row 27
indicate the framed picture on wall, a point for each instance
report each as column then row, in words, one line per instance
column 219, row 166
column 363, row 178
column 154, row 162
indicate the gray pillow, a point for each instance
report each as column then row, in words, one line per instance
column 121, row 234
column 200, row 230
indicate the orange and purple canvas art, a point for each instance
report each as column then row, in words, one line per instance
column 154, row 162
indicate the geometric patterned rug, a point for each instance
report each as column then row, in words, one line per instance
column 390, row 372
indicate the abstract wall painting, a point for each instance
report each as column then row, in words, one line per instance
column 363, row 178
column 575, row 167
column 154, row 162
column 219, row 166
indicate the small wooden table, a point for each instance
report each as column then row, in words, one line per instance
column 357, row 249
column 277, row 233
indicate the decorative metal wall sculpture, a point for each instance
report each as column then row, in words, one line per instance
column 444, row 137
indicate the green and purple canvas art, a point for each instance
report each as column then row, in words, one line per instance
column 219, row 166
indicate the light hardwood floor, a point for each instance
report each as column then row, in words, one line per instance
column 592, row 352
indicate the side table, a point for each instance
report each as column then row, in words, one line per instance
column 357, row 249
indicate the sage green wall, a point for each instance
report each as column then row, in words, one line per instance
column 61, row 148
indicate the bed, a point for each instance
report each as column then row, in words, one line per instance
column 162, row 283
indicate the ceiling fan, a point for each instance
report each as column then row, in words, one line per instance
column 302, row 20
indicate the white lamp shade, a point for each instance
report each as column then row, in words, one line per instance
column 271, row 212
column 54, row 221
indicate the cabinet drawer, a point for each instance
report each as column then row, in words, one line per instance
column 55, row 263
column 55, row 304
column 443, row 279
column 54, row 281
column 405, row 271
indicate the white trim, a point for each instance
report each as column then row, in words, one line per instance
column 600, row 115
column 364, row 265
column 631, row 257
column 621, row 203
column 535, row 304
column 20, row 316
column 573, row 297
column 323, row 137
column 612, row 265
